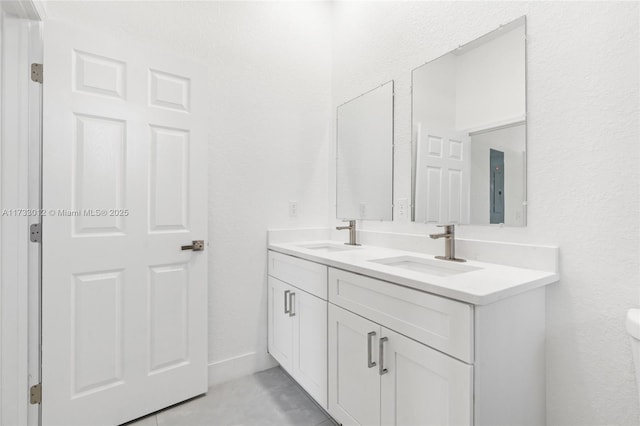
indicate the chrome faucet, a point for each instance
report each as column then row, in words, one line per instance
column 352, row 232
column 449, row 236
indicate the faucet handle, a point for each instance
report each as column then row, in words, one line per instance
column 351, row 222
column 449, row 229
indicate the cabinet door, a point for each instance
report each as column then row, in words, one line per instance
column 280, row 325
column 354, row 381
column 310, row 344
column 423, row 386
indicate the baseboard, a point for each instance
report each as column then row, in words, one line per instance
column 239, row 366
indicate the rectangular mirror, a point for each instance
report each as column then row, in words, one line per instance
column 364, row 149
column 469, row 132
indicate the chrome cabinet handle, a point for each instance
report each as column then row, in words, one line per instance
column 381, row 349
column 286, row 299
column 292, row 301
column 370, row 363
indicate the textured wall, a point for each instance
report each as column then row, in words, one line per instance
column 269, row 74
column 583, row 166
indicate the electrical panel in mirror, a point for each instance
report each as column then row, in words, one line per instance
column 364, row 156
column 469, row 132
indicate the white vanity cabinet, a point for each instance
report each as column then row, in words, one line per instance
column 401, row 381
column 398, row 356
column 377, row 376
column 374, row 351
column 297, row 316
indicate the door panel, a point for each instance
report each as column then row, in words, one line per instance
column 168, row 304
column 280, row 323
column 423, row 386
column 354, row 385
column 169, row 183
column 124, row 181
column 99, row 176
column 310, row 345
column 97, row 331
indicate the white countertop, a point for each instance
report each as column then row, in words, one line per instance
column 490, row 283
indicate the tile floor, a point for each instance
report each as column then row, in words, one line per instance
column 266, row 398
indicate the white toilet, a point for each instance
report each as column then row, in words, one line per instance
column 633, row 328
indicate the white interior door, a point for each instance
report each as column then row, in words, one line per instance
column 124, row 309
column 442, row 176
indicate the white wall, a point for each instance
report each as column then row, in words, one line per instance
column 583, row 181
column 269, row 74
column 479, row 87
column 490, row 82
column 435, row 89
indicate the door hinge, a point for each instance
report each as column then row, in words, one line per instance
column 36, row 73
column 36, row 233
column 36, row 394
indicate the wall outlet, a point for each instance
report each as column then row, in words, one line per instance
column 363, row 210
column 403, row 208
column 293, row 209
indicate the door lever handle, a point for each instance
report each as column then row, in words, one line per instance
column 196, row 245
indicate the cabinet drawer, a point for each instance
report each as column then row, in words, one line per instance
column 441, row 323
column 308, row 276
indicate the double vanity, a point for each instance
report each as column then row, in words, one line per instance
column 396, row 335
column 386, row 336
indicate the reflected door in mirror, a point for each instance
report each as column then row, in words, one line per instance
column 442, row 177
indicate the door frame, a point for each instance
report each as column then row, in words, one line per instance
column 20, row 145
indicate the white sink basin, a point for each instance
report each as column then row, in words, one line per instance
column 327, row 247
column 439, row 268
